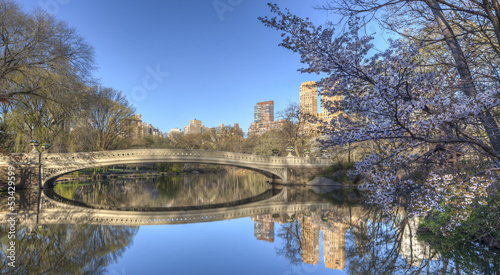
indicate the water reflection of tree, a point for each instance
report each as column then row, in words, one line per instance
column 393, row 247
column 168, row 191
column 379, row 244
column 168, row 187
column 379, row 252
column 464, row 257
column 289, row 233
column 67, row 249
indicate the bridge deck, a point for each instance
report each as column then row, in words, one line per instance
column 53, row 165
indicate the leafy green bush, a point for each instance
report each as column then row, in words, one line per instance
column 339, row 173
column 169, row 167
column 482, row 225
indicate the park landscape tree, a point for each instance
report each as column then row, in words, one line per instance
column 38, row 49
column 47, row 91
column 431, row 92
column 43, row 65
column 103, row 121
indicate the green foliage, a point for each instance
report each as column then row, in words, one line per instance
column 66, row 190
column 267, row 142
column 339, row 173
column 472, row 258
column 482, row 225
column 169, row 167
column 150, row 141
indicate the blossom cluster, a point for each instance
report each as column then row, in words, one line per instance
column 420, row 116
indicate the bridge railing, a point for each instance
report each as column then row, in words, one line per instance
column 184, row 155
column 85, row 157
column 14, row 158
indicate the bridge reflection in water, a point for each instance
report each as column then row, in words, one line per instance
column 300, row 214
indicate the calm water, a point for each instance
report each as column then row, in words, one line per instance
column 219, row 224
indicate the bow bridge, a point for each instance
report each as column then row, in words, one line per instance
column 49, row 166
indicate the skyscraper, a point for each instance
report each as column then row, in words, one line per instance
column 263, row 114
column 264, row 111
column 309, row 98
column 326, row 115
column 309, row 106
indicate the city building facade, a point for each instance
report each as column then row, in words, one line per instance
column 195, row 127
column 308, row 97
column 309, row 107
column 264, row 111
column 141, row 129
column 264, row 119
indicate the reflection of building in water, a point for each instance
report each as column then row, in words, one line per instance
column 334, row 225
column 264, row 227
column 413, row 250
column 309, row 238
column 334, row 245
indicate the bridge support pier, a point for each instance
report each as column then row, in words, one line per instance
column 275, row 179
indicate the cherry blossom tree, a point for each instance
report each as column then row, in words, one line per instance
column 417, row 111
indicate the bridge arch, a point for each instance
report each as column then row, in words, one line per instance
column 269, row 172
column 56, row 165
column 52, row 165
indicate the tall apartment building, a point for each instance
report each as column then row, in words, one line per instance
column 148, row 129
column 141, row 129
column 309, row 105
column 264, row 111
column 326, row 115
column 309, row 98
column 194, row 127
column 222, row 127
column 136, row 124
column 334, row 229
column 264, row 118
column 264, row 228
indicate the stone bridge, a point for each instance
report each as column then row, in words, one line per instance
column 56, row 210
column 288, row 169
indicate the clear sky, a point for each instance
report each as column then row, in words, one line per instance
column 179, row 60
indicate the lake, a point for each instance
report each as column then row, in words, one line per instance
column 223, row 223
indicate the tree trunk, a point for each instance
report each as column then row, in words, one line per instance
column 469, row 87
column 349, row 153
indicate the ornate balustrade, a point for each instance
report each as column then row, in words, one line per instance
column 56, row 164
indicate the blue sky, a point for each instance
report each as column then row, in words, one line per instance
column 179, row 60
